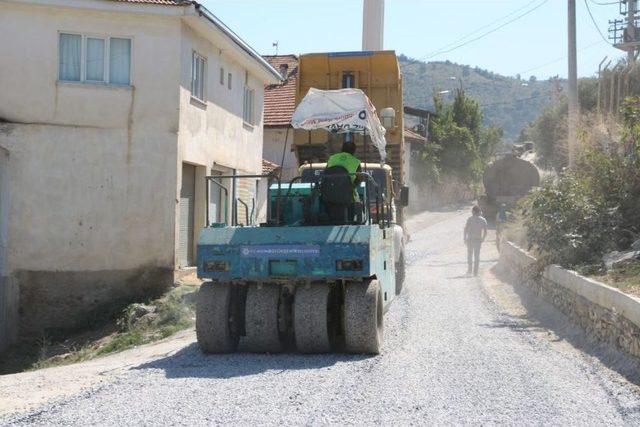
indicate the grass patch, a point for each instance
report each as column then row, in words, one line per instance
column 138, row 324
column 625, row 277
column 516, row 232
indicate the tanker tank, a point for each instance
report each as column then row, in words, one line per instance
column 507, row 180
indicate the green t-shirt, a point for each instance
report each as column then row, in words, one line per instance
column 348, row 161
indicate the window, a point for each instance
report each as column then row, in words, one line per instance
column 222, row 76
column 120, row 61
column 229, row 77
column 94, row 59
column 198, row 69
column 247, row 112
column 70, row 57
column 348, row 80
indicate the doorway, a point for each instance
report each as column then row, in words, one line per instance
column 187, row 209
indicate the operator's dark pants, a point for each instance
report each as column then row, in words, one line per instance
column 473, row 255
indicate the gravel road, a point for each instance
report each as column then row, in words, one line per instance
column 458, row 350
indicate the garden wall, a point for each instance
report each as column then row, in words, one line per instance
column 603, row 312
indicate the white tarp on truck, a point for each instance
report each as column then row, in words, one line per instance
column 340, row 111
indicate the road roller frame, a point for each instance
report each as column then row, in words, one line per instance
column 288, row 284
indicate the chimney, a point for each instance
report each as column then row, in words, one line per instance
column 284, row 70
column 373, row 25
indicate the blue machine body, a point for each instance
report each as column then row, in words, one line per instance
column 293, row 253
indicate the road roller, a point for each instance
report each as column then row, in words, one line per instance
column 318, row 275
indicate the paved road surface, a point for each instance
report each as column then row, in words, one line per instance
column 458, row 350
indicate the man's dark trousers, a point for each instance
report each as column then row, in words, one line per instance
column 473, row 255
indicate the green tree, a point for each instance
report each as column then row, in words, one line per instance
column 464, row 146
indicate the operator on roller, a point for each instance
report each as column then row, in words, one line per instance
column 351, row 163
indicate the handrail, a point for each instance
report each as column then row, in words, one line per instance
column 212, row 178
column 246, row 211
column 235, row 216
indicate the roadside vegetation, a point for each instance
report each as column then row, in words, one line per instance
column 459, row 147
column 137, row 324
column 587, row 218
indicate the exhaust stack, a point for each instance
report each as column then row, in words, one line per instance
column 373, row 25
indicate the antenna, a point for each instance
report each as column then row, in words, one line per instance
column 276, row 44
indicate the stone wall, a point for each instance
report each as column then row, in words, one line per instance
column 603, row 312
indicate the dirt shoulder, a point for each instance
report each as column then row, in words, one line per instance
column 29, row 390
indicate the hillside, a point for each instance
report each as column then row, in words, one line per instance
column 506, row 101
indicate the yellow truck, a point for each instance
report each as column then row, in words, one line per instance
column 378, row 75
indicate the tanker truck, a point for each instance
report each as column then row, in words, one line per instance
column 506, row 181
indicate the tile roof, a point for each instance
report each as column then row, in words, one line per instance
column 269, row 167
column 280, row 100
column 160, row 2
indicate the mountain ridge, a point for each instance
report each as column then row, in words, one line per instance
column 507, row 102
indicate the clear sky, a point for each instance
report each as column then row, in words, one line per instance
column 533, row 44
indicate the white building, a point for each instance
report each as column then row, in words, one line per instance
column 111, row 114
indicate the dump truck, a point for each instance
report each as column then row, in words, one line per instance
column 320, row 273
column 378, row 75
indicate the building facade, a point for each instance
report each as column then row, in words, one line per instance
column 111, row 115
column 279, row 105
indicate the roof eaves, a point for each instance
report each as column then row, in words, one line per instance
column 236, row 39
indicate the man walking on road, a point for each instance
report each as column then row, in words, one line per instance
column 475, row 231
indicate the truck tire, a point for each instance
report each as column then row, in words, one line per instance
column 311, row 318
column 214, row 319
column 400, row 273
column 363, row 322
column 262, row 314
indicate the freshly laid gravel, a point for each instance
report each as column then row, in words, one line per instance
column 451, row 355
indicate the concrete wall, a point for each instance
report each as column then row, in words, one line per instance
column 8, row 291
column 92, row 169
column 273, row 145
column 604, row 312
column 213, row 134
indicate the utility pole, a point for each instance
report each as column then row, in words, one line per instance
column 632, row 8
column 573, row 83
column 623, row 32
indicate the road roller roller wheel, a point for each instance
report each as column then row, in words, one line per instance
column 311, row 318
column 261, row 319
column 214, row 319
column 363, row 325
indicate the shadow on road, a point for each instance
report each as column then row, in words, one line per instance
column 190, row 362
column 542, row 317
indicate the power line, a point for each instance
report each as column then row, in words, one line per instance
column 488, row 32
column 445, row 48
column 558, row 59
column 477, row 30
column 595, row 24
column 604, row 3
